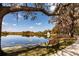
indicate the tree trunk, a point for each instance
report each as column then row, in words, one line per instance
column 71, row 35
column 1, row 52
column 72, row 28
column 72, row 24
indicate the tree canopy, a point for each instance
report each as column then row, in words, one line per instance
column 67, row 19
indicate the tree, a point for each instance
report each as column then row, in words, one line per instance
column 6, row 8
column 65, row 14
column 68, row 15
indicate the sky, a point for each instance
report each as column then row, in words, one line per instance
column 10, row 23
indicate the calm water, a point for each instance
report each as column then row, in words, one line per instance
column 13, row 40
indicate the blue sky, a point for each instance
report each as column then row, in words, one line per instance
column 40, row 24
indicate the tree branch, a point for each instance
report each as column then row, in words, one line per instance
column 27, row 9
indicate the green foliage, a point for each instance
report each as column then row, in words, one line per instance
column 66, row 42
column 28, row 33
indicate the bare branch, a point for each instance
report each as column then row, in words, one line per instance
column 27, row 9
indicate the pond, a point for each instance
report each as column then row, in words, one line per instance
column 14, row 40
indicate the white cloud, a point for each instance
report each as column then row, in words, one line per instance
column 3, row 23
column 31, row 27
column 14, row 24
column 52, row 8
column 38, row 23
column 9, row 29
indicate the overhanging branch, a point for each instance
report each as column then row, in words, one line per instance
column 27, row 9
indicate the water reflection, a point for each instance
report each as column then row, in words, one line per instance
column 13, row 40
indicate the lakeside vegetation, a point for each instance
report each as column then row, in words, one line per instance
column 27, row 33
column 65, row 16
column 41, row 50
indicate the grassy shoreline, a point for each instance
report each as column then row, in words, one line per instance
column 41, row 50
